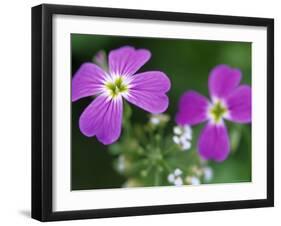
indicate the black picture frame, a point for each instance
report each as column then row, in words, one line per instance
column 42, row 111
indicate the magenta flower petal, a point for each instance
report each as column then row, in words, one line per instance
column 155, row 81
column 240, row 105
column 223, row 80
column 103, row 119
column 214, row 143
column 87, row 81
column 127, row 60
column 148, row 90
column 192, row 108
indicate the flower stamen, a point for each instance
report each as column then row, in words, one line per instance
column 218, row 111
column 116, row 87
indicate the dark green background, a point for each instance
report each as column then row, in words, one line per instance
column 187, row 63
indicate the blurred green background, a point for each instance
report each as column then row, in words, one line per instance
column 187, row 63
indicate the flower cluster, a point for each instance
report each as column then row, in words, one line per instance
column 175, row 177
column 183, row 136
column 196, row 176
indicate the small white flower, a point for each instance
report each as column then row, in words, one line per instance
column 192, row 180
column 182, row 136
column 176, row 139
column 186, row 145
column 177, row 172
column 121, row 163
column 177, row 130
column 158, row 119
column 186, row 136
column 183, row 139
column 195, row 181
column 155, row 120
column 171, row 178
column 208, row 173
column 187, row 132
column 175, row 177
column 178, row 181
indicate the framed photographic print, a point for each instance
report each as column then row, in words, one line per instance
column 144, row 112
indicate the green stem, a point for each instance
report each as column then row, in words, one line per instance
column 156, row 178
column 170, row 149
column 127, row 119
column 166, row 166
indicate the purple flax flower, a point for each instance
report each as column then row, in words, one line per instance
column 229, row 101
column 103, row 117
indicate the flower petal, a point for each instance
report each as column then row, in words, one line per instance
column 223, row 80
column 239, row 104
column 103, row 119
column 147, row 91
column 213, row 142
column 87, row 81
column 127, row 60
column 154, row 81
column 152, row 102
column 192, row 108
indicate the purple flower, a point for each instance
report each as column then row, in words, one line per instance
column 103, row 117
column 229, row 101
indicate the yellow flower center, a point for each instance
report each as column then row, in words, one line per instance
column 116, row 87
column 218, row 111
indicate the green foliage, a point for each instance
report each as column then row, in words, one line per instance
column 147, row 155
